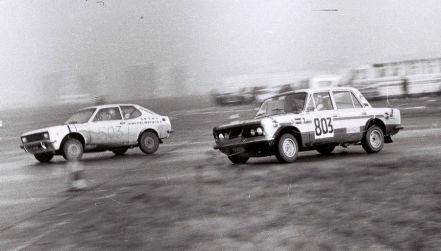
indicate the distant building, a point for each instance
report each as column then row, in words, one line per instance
column 421, row 75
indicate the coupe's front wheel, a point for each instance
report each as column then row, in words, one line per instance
column 373, row 141
column 149, row 142
column 44, row 157
column 72, row 150
column 287, row 148
column 239, row 158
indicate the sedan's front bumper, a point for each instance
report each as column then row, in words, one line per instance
column 39, row 147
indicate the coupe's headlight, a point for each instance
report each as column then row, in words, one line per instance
column 252, row 132
column 221, row 136
column 24, row 140
column 46, row 135
column 259, row 131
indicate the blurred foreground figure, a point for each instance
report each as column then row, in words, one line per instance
column 76, row 176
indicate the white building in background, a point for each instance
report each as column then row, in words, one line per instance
column 419, row 76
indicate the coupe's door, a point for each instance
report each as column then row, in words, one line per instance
column 322, row 115
column 108, row 128
column 351, row 115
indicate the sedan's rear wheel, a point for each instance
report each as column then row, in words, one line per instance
column 149, row 142
column 44, row 157
column 373, row 141
column 72, row 150
column 287, row 148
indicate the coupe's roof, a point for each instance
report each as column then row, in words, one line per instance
column 108, row 105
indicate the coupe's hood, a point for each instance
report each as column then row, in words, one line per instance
column 50, row 129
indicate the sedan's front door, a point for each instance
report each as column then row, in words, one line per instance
column 322, row 124
column 108, row 129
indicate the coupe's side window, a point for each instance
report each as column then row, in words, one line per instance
column 323, row 101
column 106, row 114
column 130, row 112
column 343, row 100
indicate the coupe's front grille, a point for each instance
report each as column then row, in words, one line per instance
column 34, row 137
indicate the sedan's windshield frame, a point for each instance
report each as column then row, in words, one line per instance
column 289, row 103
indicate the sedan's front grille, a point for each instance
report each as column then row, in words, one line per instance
column 34, row 137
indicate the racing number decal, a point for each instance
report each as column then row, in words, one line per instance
column 323, row 128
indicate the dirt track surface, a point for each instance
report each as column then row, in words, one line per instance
column 187, row 196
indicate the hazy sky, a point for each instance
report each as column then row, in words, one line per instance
column 212, row 39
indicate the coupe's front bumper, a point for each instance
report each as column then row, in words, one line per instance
column 39, row 147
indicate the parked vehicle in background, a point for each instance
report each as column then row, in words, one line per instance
column 309, row 119
column 240, row 96
column 114, row 127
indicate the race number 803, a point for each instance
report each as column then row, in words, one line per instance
column 323, row 127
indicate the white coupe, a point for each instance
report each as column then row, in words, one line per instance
column 115, row 127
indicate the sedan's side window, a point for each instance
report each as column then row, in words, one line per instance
column 343, row 100
column 106, row 114
column 357, row 103
column 130, row 112
column 323, row 101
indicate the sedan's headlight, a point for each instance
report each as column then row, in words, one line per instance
column 252, row 132
column 46, row 135
column 259, row 131
column 221, row 136
column 24, row 140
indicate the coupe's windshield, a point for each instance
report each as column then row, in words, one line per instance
column 291, row 103
column 81, row 116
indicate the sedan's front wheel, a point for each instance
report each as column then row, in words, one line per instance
column 287, row 148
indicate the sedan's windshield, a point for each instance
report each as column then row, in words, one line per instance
column 81, row 116
column 290, row 103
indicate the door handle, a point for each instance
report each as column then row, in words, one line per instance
column 122, row 123
column 334, row 115
column 363, row 113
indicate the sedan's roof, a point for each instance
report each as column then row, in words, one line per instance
column 108, row 105
column 321, row 89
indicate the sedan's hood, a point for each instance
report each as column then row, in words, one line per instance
column 235, row 124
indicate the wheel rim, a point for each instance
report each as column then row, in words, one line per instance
column 74, row 150
column 375, row 139
column 289, row 148
column 149, row 142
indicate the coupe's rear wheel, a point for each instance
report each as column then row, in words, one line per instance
column 149, row 142
column 120, row 151
column 239, row 158
column 44, row 157
column 373, row 141
column 72, row 150
column 287, row 148
column 325, row 149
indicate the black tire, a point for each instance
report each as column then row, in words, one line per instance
column 239, row 158
column 72, row 150
column 287, row 148
column 373, row 141
column 325, row 150
column 149, row 142
column 44, row 157
column 120, row 151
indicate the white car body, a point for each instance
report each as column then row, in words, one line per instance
column 99, row 135
column 313, row 127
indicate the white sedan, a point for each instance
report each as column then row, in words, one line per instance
column 115, row 127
